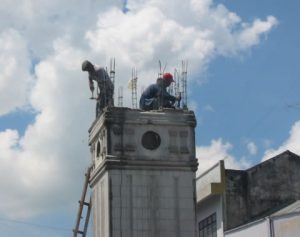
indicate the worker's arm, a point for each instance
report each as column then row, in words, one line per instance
column 169, row 97
column 91, row 84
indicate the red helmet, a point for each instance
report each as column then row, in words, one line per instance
column 168, row 77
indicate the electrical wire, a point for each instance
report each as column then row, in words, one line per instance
column 35, row 225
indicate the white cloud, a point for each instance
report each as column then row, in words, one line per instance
column 15, row 78
column 45, row 166
column 216, row 151
column 208, row 108
column 154, row 30
column 251, row 35
column 252, row 148
column 41, row 22
column 267, row 143
column 292, row 143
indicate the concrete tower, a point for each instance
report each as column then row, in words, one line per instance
column 143, row 177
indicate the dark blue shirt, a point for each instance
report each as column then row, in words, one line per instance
column 156, row 92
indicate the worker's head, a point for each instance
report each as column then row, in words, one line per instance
column 168, row 79
column 87, row 66
column 160, row 81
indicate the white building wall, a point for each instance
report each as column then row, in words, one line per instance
column 287, row 225
column 260, row 228
column 101, row 214
column 208, row 207
column 152, row 203
column 210, row 177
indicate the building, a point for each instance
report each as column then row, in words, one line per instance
column 230, row 199
column 282, row 223
column 143, row 183
column 143, row 173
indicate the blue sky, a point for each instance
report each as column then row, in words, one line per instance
column 255, row 95
column 243, row 83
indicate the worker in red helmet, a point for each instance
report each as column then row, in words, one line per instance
column 168, row 79
column 156, row 95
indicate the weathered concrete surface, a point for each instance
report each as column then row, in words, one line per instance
column 258, row 191
column 140, row 191
column 235, row 198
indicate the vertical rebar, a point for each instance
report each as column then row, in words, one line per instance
column 160, row 71
column 112, row 73
column 184, row 82
column 120, row 96
column 176, row 85
column 133, row 88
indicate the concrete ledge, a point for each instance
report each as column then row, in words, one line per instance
column 211, row 182
column 125, row 164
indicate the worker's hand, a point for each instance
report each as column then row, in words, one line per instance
column 178, row 97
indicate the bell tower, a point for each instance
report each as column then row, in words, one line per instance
column 143, row 175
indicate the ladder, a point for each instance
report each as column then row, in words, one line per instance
column 83, row 203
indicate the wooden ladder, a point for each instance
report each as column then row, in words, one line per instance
column 83, row 203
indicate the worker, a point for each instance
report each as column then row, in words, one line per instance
column 105, row 90
column 156, row 95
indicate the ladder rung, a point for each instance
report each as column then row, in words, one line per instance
column 81, row 203
column 78, row 232
column 84, row 203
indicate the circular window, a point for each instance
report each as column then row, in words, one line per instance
column 151, row 140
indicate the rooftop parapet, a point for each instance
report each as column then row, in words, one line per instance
column 130, row 134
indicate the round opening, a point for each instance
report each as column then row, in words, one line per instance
column 151, row 140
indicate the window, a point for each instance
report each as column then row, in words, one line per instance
column 98, row 149
column 208, row 226
column 151, row 140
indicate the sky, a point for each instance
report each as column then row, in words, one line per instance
column 243, row 79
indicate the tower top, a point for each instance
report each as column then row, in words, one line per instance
column 165, row 116
column 136, row 135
